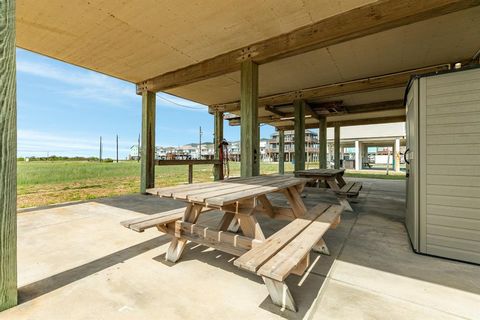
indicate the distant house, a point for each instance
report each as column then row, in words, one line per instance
column 134, row 153
column 186, row 152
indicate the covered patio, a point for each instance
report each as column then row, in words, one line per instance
column 64, row 272
column 292, row 65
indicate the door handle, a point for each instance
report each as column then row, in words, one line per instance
column 405, row 156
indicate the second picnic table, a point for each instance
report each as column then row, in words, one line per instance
column 238, row 200
column 333, row 178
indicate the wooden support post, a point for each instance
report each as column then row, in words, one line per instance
column 299, row 112
column 190, row 173
column 336, row 146
column 8, row 158
column 148, row 142
column 322, row 142
column 358, row 155
column 218, row 172
column 250, row 144
column 281, row 151
column 396, row 155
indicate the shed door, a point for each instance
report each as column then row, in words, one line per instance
column 411, row 215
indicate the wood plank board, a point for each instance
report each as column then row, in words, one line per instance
column 128, row 223
column 350, row 189
column 319, row 172
column 284, row 261
column 254, row 192
column 167, row 192
column 185, row 192
column 255, row 258
column 356, row 188
column 141, row 226
column 225, row 188
column 222, row 240
column 347, row 187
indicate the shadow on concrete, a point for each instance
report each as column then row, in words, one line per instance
column 379, row 241
column 44, row 286
column 304, row 289
column 144, row 204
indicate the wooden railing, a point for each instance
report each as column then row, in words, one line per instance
column 217, row 165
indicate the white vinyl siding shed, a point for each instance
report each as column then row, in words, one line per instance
column 450, row 165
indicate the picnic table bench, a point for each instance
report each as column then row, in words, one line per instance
column 334, row 180
column 239, row 201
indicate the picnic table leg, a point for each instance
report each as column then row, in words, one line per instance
column 234, row 226
column 342, row 199
column 295, row 200
column 341, row 181
column 177, row 245
column 229, row 223
column 344, row 202
column 280, row 294
column 332, row 184
column 250, row 226
column 267, row 206
column 321, row 247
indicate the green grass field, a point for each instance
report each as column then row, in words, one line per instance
column 48, row 182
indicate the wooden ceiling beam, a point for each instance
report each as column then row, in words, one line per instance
column 356, row 23
column 349, row 123
column 376, row 106
column 310, row 111
column 274, row 110
column 323, row 108
column 234, row 120
column 393, row 80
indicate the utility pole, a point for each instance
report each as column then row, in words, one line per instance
column 138, row 149
column 100, row 149
column 117, row 148
column 388, row 159
column 200, row 144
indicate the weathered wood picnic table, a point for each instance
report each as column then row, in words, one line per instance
column 333, row 178
column 238, row 201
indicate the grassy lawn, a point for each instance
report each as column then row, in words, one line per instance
column 48, row 182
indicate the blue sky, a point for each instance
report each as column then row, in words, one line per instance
column 63, row 110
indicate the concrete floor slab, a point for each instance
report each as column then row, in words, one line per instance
column 77, row 262
column 345, row 301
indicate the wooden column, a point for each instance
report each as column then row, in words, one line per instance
column 218, row 172
column 281, row 151
column 336, row 146
column 148, row 142
column 249, row 144
column 322, row 142
column 8, row 158
column 396, row 155
column 299, row 113
column 358, row 155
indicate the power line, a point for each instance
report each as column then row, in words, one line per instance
column 179, row 104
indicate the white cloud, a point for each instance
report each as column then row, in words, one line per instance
column 80, row 83
column 86, row 84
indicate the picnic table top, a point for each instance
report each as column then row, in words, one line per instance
column 319, row 172
column 220, row 193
